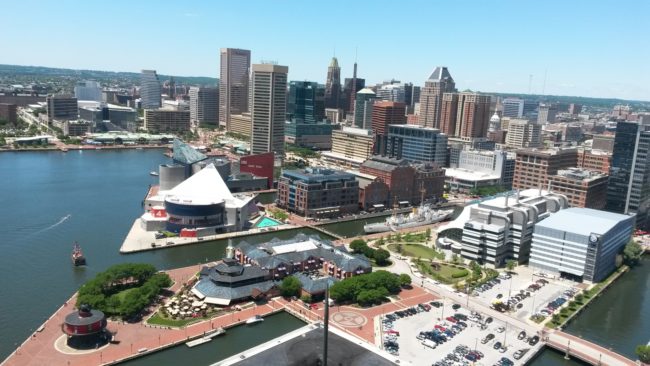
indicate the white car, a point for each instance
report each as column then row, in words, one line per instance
column 500, row 329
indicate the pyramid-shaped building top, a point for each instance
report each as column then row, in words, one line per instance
column 186, row 154
column 204, row 187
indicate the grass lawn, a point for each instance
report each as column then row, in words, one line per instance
column 416, row 250
column 159, row 319
column 444, row 274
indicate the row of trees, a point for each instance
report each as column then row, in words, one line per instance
column 632, row 253
column 379, row 255
column 123, row 289
column 368, row 289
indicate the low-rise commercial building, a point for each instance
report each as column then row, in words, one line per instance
column 596, row 160
column 498, row 163
column 580, row 243
column 9, row 112
column 523, row 134
column 241, row 124
column 318, row 192
column 502, row 228
column 350, row 146
column 583, row 188
column 61, row 107
column 417, row 143
column 534, row 166
column 464, row 180
column 166, row 120
column 77, row 128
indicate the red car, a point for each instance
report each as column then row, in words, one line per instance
column 391, row 331
column 451, row 319
column 440, row 328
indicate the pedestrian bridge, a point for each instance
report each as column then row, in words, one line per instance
column 584, row 350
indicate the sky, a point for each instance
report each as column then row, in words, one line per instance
column 569, row 47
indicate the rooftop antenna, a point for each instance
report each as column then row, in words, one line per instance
column 544, row 83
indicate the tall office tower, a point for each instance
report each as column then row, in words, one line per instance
column 269, row 107
column 392, row 92
column 546, row 114
column 439, row 82
column 629, row 173
column 354, row 88
column 522, row 133
column 411, row 96
column 150, row 89
column 473, row 116
column 363, row 108
column 385, row 113
column 306, row 102
column 350, row 92
column 204, row 105
column 88, row 90
column 61, row 107
column 333, row 85
column 448, row 113
column 513, row 107
column 575, row 109
column 233, row 84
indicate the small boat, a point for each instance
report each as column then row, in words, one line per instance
column 153, row 173
column 138, row 148
column 78, row 258
column 206, row 338
column 64, row 149
column 255, row 319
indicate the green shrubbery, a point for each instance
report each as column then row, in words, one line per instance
column 379, row 255
column 123, row 289
column 367, row 289
column 460, row 273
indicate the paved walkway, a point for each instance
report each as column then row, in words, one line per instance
column 133, row 338
column 585, row 350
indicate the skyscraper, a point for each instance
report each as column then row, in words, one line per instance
column 392, row 92
column 150, row 89
column 333, row 85
column 88, row 90
column 513, row 107
column 439, row 82
column 204, row 105
column 629, row 173
column 268, row 110
column 351, row 87
column 306, row 102
column 385, row 113
column 233, row 84
column 472, row 115
column 363, row 108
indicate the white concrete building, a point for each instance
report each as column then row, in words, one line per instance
column 580, row 243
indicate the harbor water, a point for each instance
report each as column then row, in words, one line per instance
column 48, row 200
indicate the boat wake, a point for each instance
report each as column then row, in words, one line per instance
column 61, row 221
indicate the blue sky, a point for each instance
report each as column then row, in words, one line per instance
column 588, row 48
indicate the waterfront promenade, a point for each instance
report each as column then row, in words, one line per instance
column 138, row 339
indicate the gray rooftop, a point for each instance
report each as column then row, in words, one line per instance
column 306, row 350
column 583, row 221
column 185, row 154
column 440, row 73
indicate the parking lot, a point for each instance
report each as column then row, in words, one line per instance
column 419, row 340
column 520, row 281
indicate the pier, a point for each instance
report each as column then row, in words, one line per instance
column 586, row 351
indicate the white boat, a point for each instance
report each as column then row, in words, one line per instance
column 206, row 338
column 423, row 215
column 153, row 173
column 255, row 319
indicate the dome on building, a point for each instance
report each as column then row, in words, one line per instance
column 366, row 91
column 334, row 62
column 495, row 118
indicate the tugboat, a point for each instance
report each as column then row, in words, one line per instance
column 153, row 173
column 78, row 258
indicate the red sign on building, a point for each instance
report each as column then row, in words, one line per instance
column 260, row 165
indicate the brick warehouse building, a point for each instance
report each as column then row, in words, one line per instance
column 405, row 180
column 318, row 192
column 534, row 166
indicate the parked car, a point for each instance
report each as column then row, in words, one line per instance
column 533, row 341
column 521, row 335
column 497, row 345
column 520, row 353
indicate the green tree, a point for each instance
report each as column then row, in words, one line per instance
column 306, row 298
column 556, row 318
column 643, row 352
column 290, row 286
column 579, row 298
column 400, row 249
column 380, row 241
column 511, row 264
column 358, row 245
column 381, row 256
column 632, row 253
column 404, row 279
column 427, row 233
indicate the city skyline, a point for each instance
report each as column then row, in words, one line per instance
column 574, row 49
